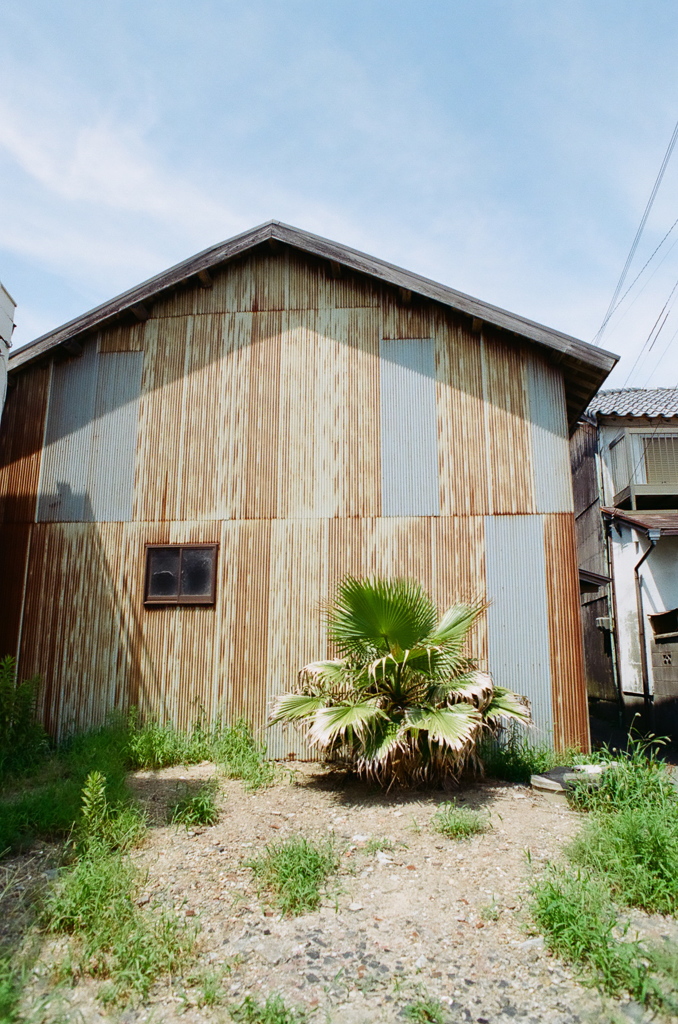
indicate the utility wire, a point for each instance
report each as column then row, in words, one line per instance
column 643, row 269
column 639, row 232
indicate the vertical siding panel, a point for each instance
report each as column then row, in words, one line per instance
column 508, row 427
column 230, row 431
column 363, row 450
column 517, row 619
column 570, row 706
column 160, row 409
column 21, row 437
column 68, row 440
column 203, row 418
column 110, row 481
column 550, row 446
column 400, row 320
column 409, row 443
column 251, row 586
column 461, row 433
column 263, row 427
column 296, row 628
column 459, row 571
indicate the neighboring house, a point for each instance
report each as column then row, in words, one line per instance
column 7, row 307
column 187, row 471
column 625, row 471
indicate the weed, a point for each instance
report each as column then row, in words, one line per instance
column 459, row 822
column 514, row 759
column 580, row 923
column 425, row 1011
column 10, row 992
column 490, row 911
column 94, row 902
column 634, row 779
column 294, row 871
column 195, row 808
column 23, row 742
column 379, row 846
column 242, row 757
column 273, row 1011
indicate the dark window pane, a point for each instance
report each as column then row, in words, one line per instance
column 197, row 572
column 163, row 572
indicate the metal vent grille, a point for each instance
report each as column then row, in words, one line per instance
column 661, row 459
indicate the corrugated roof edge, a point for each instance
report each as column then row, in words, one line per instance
column 596, row 359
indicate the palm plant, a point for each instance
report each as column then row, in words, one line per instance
column 403, row 703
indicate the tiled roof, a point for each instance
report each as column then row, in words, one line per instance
column 636, row 402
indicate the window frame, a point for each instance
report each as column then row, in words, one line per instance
column 190, row 599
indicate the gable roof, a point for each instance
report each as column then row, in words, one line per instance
column 584, row 366
column 636, row 402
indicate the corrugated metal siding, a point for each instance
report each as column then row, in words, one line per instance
column 570, row 706
column 68, row 440
column 507, row 423
column 462, row 436
column 110, row 479
column 409, row 443
column 260, row 427
column 88, row 466
column 517, row 619
column 550, row 450
column 21, row 438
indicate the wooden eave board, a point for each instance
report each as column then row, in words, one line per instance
column 588, row 365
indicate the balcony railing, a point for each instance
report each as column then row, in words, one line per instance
column 643, row 468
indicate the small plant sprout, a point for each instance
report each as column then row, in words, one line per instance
column 273, row 1011
column 459, row 822
column 376, row 845
column 425, row 1011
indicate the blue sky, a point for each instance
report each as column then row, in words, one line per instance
column 504, row 147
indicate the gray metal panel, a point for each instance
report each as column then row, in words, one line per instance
column 409, row 433
column 517, row 618
column 111, row 469
column 550, row 451
column 68, row 438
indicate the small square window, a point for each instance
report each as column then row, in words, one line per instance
column 180, row 574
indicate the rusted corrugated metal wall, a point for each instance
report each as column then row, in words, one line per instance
column 267, row 414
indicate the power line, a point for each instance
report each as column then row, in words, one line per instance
column 639, row 232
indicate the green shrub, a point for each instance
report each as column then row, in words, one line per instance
column 23, row 742
column 195, row 808
column 632, row 779
column 294, row 872
column 459, row 822
column 10, row 992
column 273, row 1011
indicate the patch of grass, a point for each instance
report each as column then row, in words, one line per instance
column 234, row 748
column 10, row 992
column 459, row 822
column 633, row 779
column 294, row 872
column 94, row 902
column 273, row 1011
column 23, row 742
column 241, row 756
column 195, row 807
column 580, row 923
column 425, row 1011
column 513, row 759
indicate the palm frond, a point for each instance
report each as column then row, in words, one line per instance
column 294, row 707
column 343, row 722
column 453, row 628
column 382, row 743
column 452, row 727
column 507, row 704
column 373, row 616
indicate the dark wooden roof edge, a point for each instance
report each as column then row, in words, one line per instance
column 666, row 522
column 595, row 578
column 588, row 356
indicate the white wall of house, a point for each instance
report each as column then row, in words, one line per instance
column 659, row 581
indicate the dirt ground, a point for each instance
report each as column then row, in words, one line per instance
column 435, row 917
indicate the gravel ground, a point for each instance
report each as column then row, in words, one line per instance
column 432, row 918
